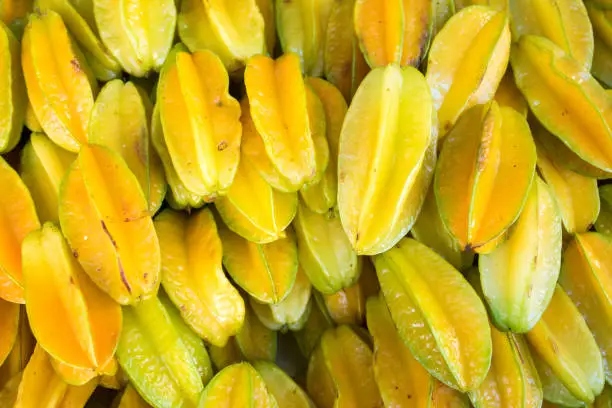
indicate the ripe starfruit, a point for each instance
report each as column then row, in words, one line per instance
column 193, row 277
column 565, row 98
column 386, row 157
column 325, row 253
column 163, row 358
column 509, row 95
column 178, row 197
column 467, row 61
column 286, row 392
column 576, row 195
column 482, row 194
column 60, row 84
column 290, row 313
column 43, row 166
column 345, row 65
column 200, row 121
column 41, row 386
column 138, row 36
column 437, row 313
column 254, row 340
column 564, row 22
column 13, row 98
column 17, row 218
column 9, row 327
column 120, row 120
column 236, row 386
column 105, row 218
column 340, row 371
column 318, row 321
column 321, row 197
column 130, row 398
column 255, row 210
column 279, row 109
column 302, row 29
column 567, row 346
column 77, row 17
column 430, row 230
column 265, row 271
column 518, row 277
column 586, row 278
column 235, row 30
column 394, row 31
column 72, row 319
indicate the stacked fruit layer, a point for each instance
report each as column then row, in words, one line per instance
column 300, row 203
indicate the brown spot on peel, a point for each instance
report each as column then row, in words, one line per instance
column 108, row 234
column 123, row 277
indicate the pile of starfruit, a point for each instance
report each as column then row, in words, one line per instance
column 305, row 203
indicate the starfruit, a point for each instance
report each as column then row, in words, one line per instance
column 30, row 120
column 166, row 362
column 586, row 278
column 348, row 305
column 321, row 197
column 552, row 388
column 394, row 31
column 386, row 158
column 601, row 18
column 22, row 344
column 345, row 65
column 496, row 4
column 84, row 31
column 290, row 313
column 40, row 386
column 13, row 99
column 302, row 29
column 267, row 9
column 254, row 340
column 576, row 195
column 430, row 230
column 193, row 277
column 512, row 380
column 284, row 390
column 43, row 166
column 568, row 347
column 138, row 35
column 564, row 22
column 325, row 253
column 61, row 298
column 253, row 209
column 401, row 379
column 130, row 398
column 482, row 194
column 9, row 327
column 200, row 121
column 105, row 218
column 340, row 371
column 318, row 321
column 60, row 84
column 437, row 313
column 254, row 148
column 17, row 218
column 265, row 271
column 229, row 354
column 234, row 30
column 279, row 108
column 120, row 121
column 603, row 223
column 467, row 61
column 8, row 392
column 509, row 95
column 554, row 147
column 518, row 277
column 565, row 98
column 444, row 10
column 236, row 386
column 178, row 197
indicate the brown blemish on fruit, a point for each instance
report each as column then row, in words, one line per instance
column 75, row 253
column 76, row 66
column 222, row 145
column 123, row 277
column 108, row 234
